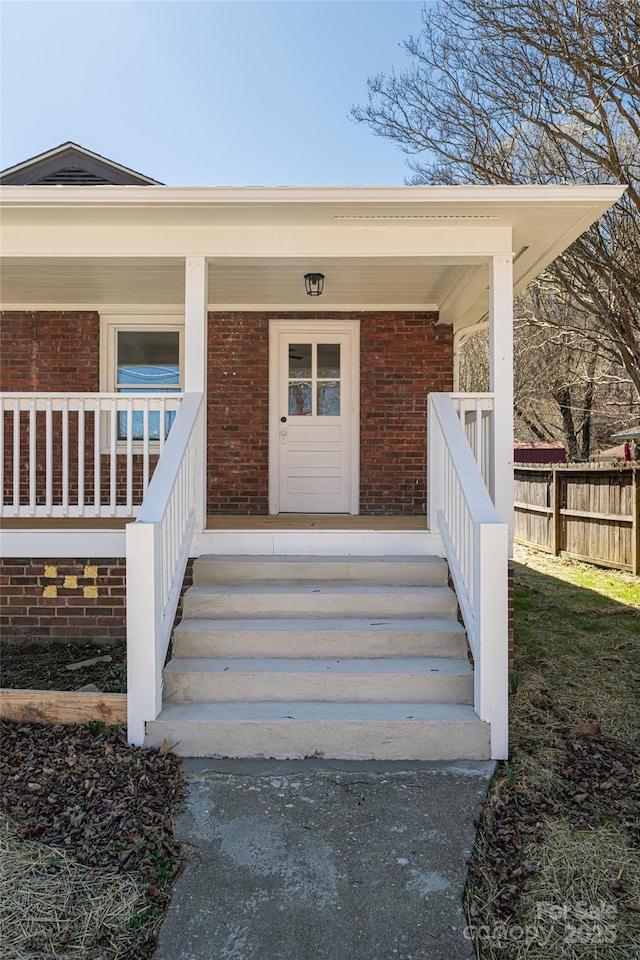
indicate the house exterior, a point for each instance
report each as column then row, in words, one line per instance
column 171, row 390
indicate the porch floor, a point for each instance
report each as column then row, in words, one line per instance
column 283, row 521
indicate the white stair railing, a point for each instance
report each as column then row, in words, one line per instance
column 61, row 456
column 476, row 546
column 157, row 546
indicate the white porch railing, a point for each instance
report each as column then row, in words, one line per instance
column 475, row 411
column 158, row 544
column 476, row 546
column 60, row 455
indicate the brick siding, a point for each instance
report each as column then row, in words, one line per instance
column 404, row 356
column 50, row 350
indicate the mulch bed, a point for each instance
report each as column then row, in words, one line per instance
column 43, row 665
column 110, row 806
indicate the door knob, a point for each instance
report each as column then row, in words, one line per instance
column 283, row 419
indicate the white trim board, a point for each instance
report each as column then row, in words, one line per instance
column 62, row 543
column 321, row 543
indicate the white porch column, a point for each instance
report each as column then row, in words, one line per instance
column 195, row 366
column 501, row 384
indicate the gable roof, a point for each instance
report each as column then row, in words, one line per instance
column 72, row 165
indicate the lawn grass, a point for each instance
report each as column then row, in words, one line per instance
column 556, row 869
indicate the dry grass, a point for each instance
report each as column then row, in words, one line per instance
column 558, row 835
column 572, row 899
column 51, row 906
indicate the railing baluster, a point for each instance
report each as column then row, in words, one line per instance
column 480, row 441
column 32, row 456
column 130, row 458
column 113, row 449
column 65, row 456
column 145, row 447
column 81, row 456
column 97, row 454
column 1, row 452
column 49, row 455
column 16, row 455
column 162, row 418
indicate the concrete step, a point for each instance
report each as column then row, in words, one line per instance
column 346, row 731
column 317, row 599
column 416, row 571
column 441, row 680
column 339, row 637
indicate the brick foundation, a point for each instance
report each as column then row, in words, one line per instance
column 71, row 599
column 79, row 599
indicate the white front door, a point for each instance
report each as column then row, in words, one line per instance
column 313, row 417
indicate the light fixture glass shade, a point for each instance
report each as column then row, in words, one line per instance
column 314, row 283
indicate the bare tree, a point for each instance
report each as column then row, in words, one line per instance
column 566, row 386
column 534, row 91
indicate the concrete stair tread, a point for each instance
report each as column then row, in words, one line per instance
column 320, row 624
column 421, row 666
column 393, row 569
column 311, row 588
column 310, row 560
column 286, row 712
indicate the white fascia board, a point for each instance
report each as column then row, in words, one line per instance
column 151, row 196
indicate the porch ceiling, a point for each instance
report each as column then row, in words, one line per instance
column 379, row 247
column 262, row 282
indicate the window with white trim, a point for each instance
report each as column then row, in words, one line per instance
column 142, row 356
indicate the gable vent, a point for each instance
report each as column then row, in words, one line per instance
column 72, row 176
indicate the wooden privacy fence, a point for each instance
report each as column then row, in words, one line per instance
column 588, row 512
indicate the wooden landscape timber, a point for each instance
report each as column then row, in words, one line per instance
column 57, row 706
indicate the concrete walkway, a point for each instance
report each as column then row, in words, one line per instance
column 320, row 860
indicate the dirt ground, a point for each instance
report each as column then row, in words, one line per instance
column 39, row 665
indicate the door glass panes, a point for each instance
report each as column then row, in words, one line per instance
column 328, row 383
column 148, row 361
column 329, row 398
column 328, row 360
column 299, row 361
column 300, row 399
column 314, row 380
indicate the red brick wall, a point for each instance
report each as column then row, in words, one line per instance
column 50, row 350
column 78, row 599
column 404, row 356
column 238, row 413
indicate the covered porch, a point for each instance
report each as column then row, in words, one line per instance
column 412, row 268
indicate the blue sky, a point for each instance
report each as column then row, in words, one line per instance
column 201, row 91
